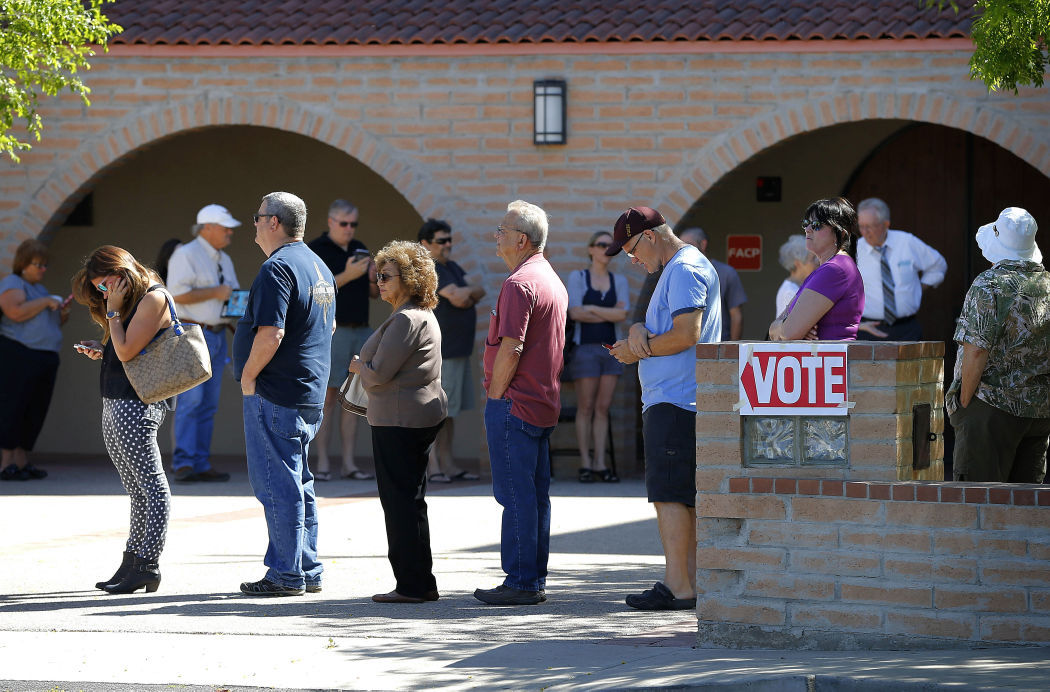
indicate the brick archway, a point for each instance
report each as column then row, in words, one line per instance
column 731, row 149
column 54, row 197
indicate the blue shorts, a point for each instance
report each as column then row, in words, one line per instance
column 593, row 360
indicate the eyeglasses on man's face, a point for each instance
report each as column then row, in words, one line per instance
column 256, row 217
column 447, row 240
column 345, row 224
column 383, row 277
column 630, row 253
column 501, row 231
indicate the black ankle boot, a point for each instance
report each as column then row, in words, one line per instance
column 144, row 573
column 125, row 567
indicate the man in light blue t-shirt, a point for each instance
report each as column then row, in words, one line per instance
column 685, row 310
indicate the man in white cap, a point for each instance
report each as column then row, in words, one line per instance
column 999, row 399
column 201, row 278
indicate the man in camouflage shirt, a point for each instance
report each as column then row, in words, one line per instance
column 999, row 400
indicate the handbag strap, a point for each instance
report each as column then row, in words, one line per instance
column 176, row 323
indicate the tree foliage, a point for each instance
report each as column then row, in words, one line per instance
column 1010, row 41
column 44, row 44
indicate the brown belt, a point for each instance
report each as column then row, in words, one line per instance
column 217, row 328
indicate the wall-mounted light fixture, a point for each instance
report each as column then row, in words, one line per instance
column 549, row 98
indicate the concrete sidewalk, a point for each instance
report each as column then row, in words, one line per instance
column 65, row 533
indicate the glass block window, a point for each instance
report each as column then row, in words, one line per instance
column 794, row 441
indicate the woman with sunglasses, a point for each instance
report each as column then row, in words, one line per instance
column 124, row 299
column 30, row 339
column 400, row 369
column 597, row 301
column 830, row 301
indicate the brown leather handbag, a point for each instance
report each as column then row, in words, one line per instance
column 352, row 396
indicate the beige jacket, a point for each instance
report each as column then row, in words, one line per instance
column 401, row 370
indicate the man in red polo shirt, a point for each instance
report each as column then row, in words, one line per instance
column 523, row 362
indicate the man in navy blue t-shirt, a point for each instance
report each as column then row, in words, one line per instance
column 282, row 358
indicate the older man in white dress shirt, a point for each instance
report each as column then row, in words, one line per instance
column 896, row 267
column 201, row 278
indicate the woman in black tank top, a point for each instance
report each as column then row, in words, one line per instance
column 597, row 301
column 128, row 301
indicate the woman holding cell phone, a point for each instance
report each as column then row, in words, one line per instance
column 30, row 339
column 128, row 302
column 597, row 301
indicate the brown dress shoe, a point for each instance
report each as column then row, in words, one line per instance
column 395, row 597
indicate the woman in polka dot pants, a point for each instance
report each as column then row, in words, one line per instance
column 123, row 298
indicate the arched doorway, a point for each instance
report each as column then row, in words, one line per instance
column 942, row 184
column 153, row 194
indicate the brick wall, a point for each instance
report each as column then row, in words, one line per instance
column 452, row 131
column 870, row 555
column 828, row 564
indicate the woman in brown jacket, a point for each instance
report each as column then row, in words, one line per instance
column 400, row 369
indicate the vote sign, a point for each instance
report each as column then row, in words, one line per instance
column 793, row 379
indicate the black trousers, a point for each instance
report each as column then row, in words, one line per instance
column 905, row 329
column 27, row 380
column 401, row 456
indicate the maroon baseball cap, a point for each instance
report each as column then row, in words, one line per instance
column 631, row 223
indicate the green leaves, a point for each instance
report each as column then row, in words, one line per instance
column 1010, row 41
column 43, row 46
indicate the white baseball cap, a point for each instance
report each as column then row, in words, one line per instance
column 216, row 213
column 1010, row 237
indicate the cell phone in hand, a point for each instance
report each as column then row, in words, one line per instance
column 361, row 252
column 608, row 347
column 86, row 349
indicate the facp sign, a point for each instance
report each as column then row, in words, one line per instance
column 744, row 252
column 793, row 379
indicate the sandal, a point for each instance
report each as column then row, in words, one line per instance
column 660, row 598
column 465, row 476
column 439, row 478
column 608, row 476
column 359, row 475
column 585, row 476
column 322, row 475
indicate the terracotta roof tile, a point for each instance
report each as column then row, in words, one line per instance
column 382, row 22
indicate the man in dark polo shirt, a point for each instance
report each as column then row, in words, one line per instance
column 355, row 281
column 281, row 358
column 523, row 362
column 458, row 320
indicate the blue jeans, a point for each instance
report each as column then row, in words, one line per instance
column 195, row 411
column 277, row 439
column 521, row 482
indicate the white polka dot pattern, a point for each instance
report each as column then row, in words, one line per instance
column 129, row 429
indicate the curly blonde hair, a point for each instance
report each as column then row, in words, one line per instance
column 416, row 267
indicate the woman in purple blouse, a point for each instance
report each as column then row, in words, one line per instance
column 829, row 304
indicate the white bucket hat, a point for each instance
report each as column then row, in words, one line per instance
column 1010, row 237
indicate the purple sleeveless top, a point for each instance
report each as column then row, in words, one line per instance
column 839, row 281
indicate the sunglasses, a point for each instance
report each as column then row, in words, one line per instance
column 382, row 277
column 811, row 225
column 256, row 217
column 443, row 241
column 602, row 244
column 344, row 224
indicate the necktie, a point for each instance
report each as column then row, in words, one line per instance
column 222, row 279
column 889, row 300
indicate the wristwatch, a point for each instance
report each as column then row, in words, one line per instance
column 112, row 314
